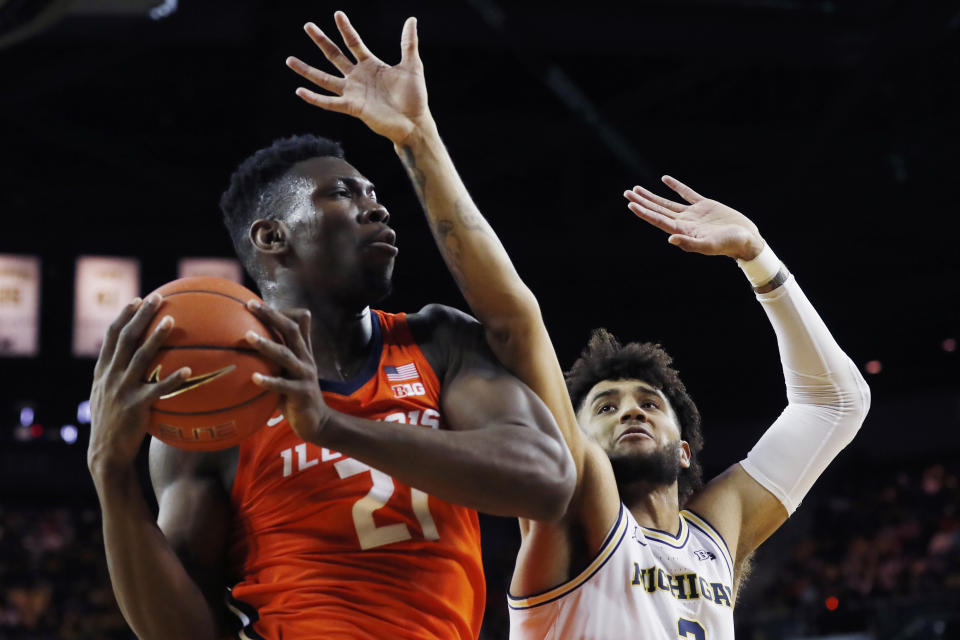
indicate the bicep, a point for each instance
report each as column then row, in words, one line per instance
column 481, row 394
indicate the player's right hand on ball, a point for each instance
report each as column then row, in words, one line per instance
column 302, row 400
column 120, row 398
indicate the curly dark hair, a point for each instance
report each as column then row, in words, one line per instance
column 255, row 189
column 605, row 358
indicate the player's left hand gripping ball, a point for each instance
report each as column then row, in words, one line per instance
column 218, row 405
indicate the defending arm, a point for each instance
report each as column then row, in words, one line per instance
column 828, row 398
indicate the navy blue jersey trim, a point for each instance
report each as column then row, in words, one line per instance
column 710, row 537
column 707, row 520
column 681, row 545
column 711, row 534
column 675, row 536
column 370, row 367
column 247, row 610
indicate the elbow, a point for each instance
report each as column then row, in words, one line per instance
column 852, row 406
column 856, row 394
column 556, row 481
column 517, row 318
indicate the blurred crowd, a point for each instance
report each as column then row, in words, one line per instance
column 882, row 553
column 53, row 575
column 879, row 538
column 880, row 542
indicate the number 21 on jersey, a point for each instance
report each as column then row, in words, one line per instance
column 369, row 534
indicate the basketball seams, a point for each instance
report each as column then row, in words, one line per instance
column 211, row 411
column 214, row 347
column 213, row 293
column 213, row 330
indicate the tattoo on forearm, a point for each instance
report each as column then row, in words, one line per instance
column 466, row 213
column 446, row 230
column 416, row 175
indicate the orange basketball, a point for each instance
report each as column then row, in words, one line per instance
column 218, row 405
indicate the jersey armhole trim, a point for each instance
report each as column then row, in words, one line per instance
column 610, row 545
column 702, row 524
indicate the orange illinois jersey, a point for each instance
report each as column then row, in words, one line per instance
column 324, row 546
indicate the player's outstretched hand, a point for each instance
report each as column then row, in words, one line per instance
column 391, row 100
column 302, row 401
column 120, row 399
column 701, row 226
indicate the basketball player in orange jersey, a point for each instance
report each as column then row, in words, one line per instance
column 627, row 560
column 340, row 518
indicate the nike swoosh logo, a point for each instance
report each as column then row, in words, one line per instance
column 189, row 383
column 274, row 421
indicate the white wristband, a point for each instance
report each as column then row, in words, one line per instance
column 761, row 269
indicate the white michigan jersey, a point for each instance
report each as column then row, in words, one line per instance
column 643, row 584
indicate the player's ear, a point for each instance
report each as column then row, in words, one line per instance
column 685, row 454
column 269, row 236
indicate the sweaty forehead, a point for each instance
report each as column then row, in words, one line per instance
column 323, row 169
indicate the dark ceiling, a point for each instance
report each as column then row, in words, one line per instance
column 833, row 125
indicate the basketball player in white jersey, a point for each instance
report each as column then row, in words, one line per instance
column 635, row 556
column 643, row 551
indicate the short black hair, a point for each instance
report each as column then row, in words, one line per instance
column 253, row 191
column 604, row 358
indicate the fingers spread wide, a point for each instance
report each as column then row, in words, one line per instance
column 409, row 41
column 351, row 38
column 330, row 103
column 329, row 48
column 321, row 79
column 689, row 243
column 683, row 190
column 658, row 220
column 675, row 207
column 647, row 202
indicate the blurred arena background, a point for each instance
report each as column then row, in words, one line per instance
column 832, row 124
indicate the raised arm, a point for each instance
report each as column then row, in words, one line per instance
column 158, row 594
column 392, row 101
column 827, row 397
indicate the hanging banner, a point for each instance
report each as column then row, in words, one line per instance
column 19, row 305
column 102, row 287
column 226, row 268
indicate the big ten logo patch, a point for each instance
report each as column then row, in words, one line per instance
column 409, row 389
